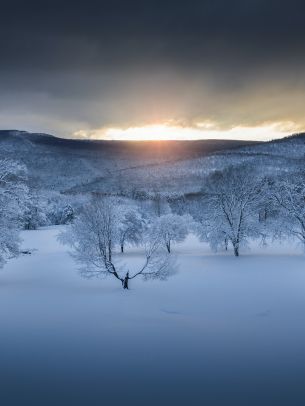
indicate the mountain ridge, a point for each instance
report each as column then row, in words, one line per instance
column 72, row 166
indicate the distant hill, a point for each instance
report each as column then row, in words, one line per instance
column 63, row 164
column 81, row 166
column 146, row 149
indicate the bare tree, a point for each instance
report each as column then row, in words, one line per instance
column 92, row 236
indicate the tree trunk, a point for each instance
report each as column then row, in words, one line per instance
column 125, row 281
column 236, row 250
column 122, row 248
column 168, row 246
column 109, row 251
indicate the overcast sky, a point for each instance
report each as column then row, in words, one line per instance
column 69, row 67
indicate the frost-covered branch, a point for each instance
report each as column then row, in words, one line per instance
column 93, row 236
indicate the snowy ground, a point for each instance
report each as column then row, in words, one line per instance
column 222, row 331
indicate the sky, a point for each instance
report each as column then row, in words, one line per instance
column 131, row 69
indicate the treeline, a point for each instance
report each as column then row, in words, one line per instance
column 233, row 206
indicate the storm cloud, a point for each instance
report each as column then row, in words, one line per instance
column 68, row 66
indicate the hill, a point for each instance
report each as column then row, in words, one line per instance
column 90, row 165
column 128, row 167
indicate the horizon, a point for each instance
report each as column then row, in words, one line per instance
column 209, row 136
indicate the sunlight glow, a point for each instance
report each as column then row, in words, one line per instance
column 204, row 130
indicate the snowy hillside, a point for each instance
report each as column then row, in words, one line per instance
column 77, row 166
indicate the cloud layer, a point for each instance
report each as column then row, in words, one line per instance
column 70, row 66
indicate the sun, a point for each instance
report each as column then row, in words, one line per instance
column 156, row 132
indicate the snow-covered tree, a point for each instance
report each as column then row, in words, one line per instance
column 288, row 196
column 67, row 214
column 92, row 236
column 228, row 212
column 13, row 192
column 60, row 209
column 170, row 228
column 131, row 227
column 34, row 214
column 159, row 204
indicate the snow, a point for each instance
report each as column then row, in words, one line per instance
column 221, row 331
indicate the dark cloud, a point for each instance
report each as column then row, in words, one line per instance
column 71, row 65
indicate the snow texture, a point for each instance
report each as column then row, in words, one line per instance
column 221, row 331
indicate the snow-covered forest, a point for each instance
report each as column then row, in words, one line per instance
column 87, row 243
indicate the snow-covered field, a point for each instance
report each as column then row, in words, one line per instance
column 222, row 331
